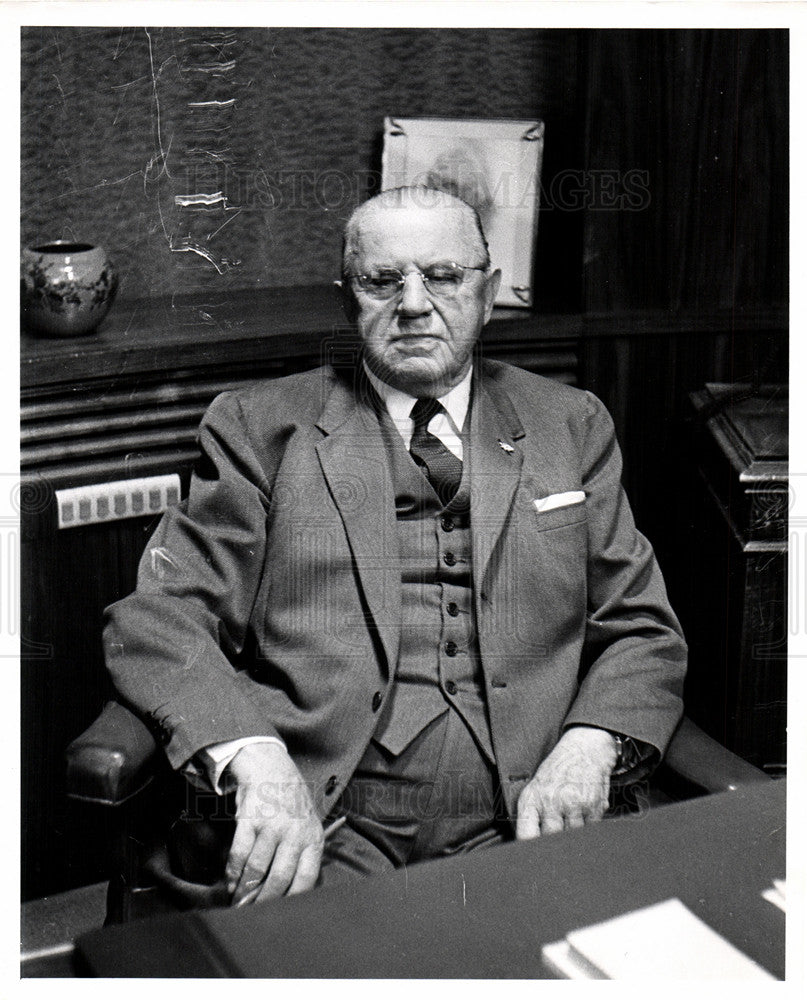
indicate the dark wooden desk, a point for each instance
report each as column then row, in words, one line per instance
column 486, row 915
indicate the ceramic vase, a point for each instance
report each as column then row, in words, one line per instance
column 67, row 288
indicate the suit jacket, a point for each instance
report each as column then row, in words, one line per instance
column 268, row 602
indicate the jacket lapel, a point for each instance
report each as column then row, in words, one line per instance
column 496, row 459
column 354, row 462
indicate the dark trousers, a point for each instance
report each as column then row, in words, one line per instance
column 439, row 797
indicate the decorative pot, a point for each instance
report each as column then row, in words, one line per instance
column 67, row 288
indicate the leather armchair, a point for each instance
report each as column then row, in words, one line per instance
column 172, row 841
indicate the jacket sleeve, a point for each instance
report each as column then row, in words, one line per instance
column 169, row 645
column 634, row 657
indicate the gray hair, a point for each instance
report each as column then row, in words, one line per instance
column 400, row 197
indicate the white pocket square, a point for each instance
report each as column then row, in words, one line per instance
column 543, row 504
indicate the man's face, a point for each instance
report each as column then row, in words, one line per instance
column 420, row 342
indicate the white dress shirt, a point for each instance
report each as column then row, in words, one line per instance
column 445, row 425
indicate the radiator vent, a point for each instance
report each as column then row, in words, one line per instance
column 115, row 501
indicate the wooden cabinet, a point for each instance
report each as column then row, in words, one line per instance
column 737, row 686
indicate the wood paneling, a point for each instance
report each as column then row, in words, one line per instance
column 687, row 286
column 704, row 116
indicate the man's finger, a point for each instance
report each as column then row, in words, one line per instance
column 551, row 822
column 595, row 811
column 307, row 870
column 240, row 849
column 594, row 815
column 574, row 820
column 256, row 866
column 528, row 818
column 281, row 871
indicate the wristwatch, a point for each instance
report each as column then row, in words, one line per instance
column 627, row 754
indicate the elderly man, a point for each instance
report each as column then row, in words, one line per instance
column 407, row 595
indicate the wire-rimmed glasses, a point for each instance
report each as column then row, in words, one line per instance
column 442, row 280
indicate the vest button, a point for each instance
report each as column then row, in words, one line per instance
column 451, row 648
column 330, row 785
column 377, row 699
column 452, row 609
column 451, row 687
column 447, row 523
column 449, row 559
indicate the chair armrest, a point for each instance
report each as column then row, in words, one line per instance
column 112, row 760
column 697, row 760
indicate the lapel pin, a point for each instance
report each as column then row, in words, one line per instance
column 506, row 447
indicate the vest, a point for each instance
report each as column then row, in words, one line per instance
column 439, row 666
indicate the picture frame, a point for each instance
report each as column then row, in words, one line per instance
column 495, row 165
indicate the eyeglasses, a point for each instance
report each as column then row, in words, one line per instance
column 442, row 280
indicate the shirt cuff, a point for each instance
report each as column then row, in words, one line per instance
column 212, row 761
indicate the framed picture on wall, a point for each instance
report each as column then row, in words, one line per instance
column 494, row 165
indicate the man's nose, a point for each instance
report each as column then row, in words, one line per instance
column 414, row 300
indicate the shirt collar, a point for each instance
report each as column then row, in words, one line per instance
column 399, row 404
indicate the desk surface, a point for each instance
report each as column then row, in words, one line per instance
column 486, row 915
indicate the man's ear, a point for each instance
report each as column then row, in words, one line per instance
column 492, row 282
column 350, row 306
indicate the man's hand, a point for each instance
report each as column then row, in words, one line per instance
column 278, row 837
column 570, row 788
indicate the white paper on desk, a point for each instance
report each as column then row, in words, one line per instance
column 777, row 894
column 660, row 942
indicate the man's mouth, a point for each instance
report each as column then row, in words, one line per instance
column 416, row 343
column 416, row 335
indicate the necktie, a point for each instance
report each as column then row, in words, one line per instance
column 440, row 466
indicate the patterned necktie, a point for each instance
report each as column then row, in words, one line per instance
column 440, row 466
